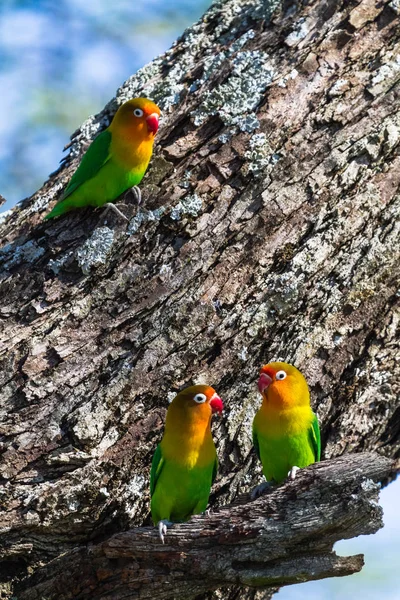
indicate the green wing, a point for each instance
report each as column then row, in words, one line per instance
column 215, row 469
column 315, row 438
column 156, row 468
column 95, row 158
column 255, row 443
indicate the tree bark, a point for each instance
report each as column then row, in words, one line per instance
column 269, row 229
column 283, row 538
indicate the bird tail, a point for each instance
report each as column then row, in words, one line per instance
column 62, row 207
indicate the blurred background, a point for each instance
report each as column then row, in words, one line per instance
column 62, row 60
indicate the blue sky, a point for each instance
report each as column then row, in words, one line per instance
column 62, row 60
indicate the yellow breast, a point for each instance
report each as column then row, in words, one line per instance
column 193, row 448
column 276, row 424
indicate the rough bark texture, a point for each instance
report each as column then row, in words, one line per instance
column 269, row 230
column 282, row 538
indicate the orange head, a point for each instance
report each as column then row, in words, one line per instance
column 138, row 118
column 283, row 386
column 193, row 405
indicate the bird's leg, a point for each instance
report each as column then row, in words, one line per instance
column 293, row 472
column 136, row 193
column 110, row 206
column 260, row 489
column 162, row 528
column 207, row 512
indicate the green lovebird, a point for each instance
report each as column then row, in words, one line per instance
column 286, row 434
column 185, row 462
column 115, row 161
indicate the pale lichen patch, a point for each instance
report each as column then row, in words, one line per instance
column 165, row 272
column 235, row 100
column 339, row 88
column 144, row 216
column 300, row 31
column 292, row 75
column 243, row 354
column 95, row 250
column 391, row 134
column 384, row 78
column 132, row 493
column 88, row 131
column 233, row 14
column 56, row 264
column 191, row 205
column 170, row 396
column 186, row 181
column 260, row 154
column 16, row 255
column 89, row 427
column 42, row 202
column 240, row 416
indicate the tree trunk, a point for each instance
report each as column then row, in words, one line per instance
column 269, row 229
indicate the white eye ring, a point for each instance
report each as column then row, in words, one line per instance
column 281, row 375
column 200, row 398
column 138, row 112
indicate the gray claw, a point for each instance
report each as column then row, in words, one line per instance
column 162, row 528
column 293, row 472
column 137, row 194
column 110, row 206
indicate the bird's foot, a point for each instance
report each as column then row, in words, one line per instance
column 207, row 512
column 136, row 193
column 162, row 528
column 292, row 473
column 260, row 489
column 110, row 206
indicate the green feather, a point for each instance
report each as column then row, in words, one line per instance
column 215, row 469
column 255, row 442
column 314, row 437
column 279, row 453
column 178, row 491
column 100, row 178
column 156, row 468
column 95, row 158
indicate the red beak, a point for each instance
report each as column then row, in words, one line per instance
column 216, row 404
column 152, row 123
column 263, row 382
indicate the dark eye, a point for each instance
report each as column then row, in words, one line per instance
column 280, row 375
column 138, row 112
column 200, row 398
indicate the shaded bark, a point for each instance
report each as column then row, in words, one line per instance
column 269, row 229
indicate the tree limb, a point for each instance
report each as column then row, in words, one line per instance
column 284, row 537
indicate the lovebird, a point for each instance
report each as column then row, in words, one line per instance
column 115, row 161
column 286, row 434
column 185, row 462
